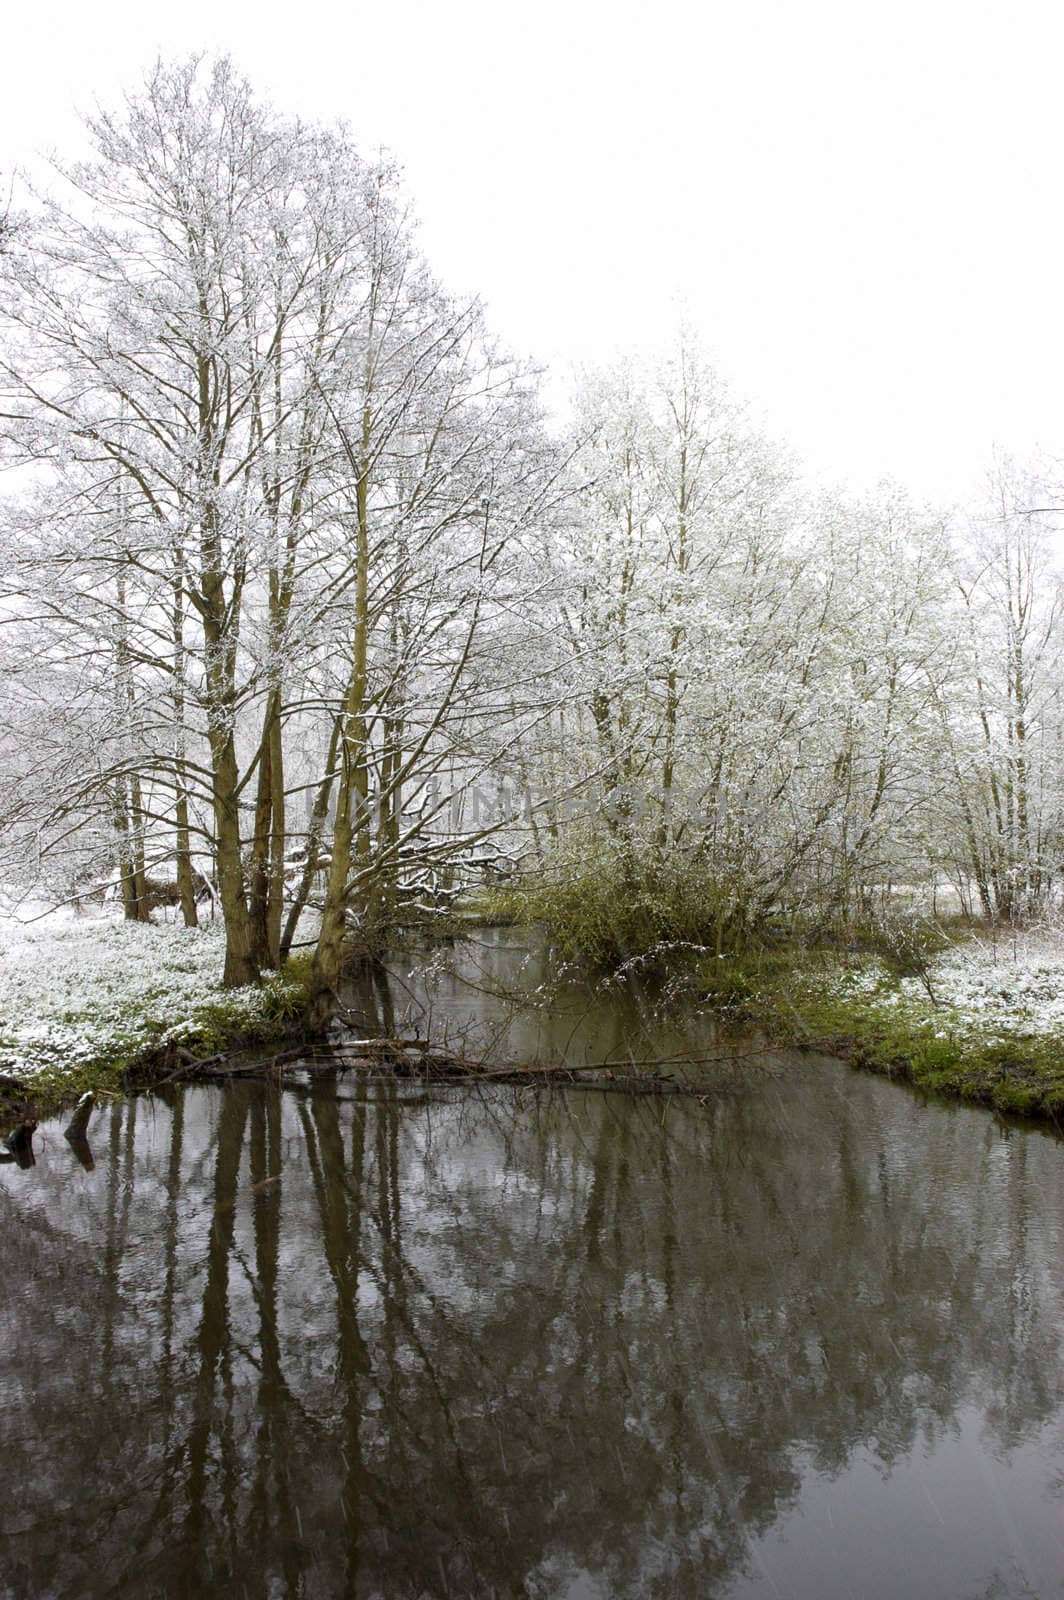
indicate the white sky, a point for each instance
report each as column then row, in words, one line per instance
column 859, row 205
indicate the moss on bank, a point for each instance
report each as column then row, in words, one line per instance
column 856, row 1009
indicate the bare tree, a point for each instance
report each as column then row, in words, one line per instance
column 283, row 484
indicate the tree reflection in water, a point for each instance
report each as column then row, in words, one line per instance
column 346, row 1341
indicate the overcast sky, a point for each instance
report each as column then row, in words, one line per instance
column 860, row 206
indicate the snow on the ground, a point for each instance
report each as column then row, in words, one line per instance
column 75, row 988
column 1009, row 985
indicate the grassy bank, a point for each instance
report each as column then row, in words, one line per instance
column 92, row 1003
column 982, row 1020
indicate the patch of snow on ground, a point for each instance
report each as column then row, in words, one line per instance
column 75, row 988
column 1009, row 985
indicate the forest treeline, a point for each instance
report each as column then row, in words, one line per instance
column 296, row 565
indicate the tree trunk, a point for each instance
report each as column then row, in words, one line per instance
column 186, row 882
column 351, row 819
column 314, row 836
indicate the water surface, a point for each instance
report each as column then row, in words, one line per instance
column 799, row 1336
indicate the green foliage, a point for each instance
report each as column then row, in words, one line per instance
column 744, row 983
column 905, row 942
column 610, row 909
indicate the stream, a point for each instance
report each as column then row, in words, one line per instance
column 798, row 1334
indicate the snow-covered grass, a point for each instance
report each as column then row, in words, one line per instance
column 983, row 1020
column 998, row 988
column 84, row 998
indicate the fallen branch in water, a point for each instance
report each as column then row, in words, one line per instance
column 424, row 1062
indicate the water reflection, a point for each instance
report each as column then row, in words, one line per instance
column 502, row 994
column 805, row 1340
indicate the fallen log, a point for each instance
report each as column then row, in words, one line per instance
column 421, row 1061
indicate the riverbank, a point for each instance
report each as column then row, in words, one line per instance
column 91, row 1002
column 981, row 1021
column 96, row 1004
